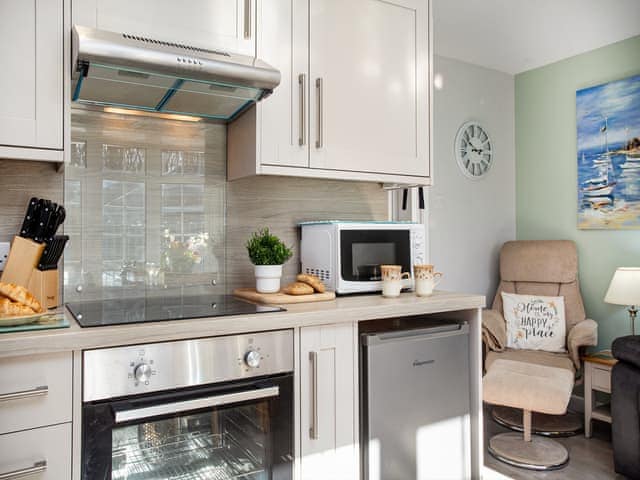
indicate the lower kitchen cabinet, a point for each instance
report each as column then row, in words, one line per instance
column 35, row 391
column 328, row 408
column 42, row 453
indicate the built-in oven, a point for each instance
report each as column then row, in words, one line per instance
column 215, row 408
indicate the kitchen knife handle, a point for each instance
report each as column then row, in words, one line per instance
column 313, row 429
column 302, row 84
column 319, row 113
column 27, row 224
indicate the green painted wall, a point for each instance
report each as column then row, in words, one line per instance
column 546, row 176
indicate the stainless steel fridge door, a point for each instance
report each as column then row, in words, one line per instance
column 416, row 404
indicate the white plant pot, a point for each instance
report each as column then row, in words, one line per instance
column 268, row 278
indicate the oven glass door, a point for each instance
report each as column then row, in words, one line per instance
column 363, row 251
column 242, row 432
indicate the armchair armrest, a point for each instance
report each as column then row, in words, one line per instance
column 627, row 349
column 494, row 330
column 583, row 334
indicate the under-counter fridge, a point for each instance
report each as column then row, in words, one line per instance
column 414, row 398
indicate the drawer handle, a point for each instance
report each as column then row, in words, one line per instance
column 35, row 392
column 37, row 467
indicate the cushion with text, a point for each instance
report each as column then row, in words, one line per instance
column 534, row 322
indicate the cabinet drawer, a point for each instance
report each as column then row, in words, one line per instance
column 601, row 379
column 35, row 391
column 43, row 453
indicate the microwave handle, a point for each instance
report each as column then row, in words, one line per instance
column 195, row 404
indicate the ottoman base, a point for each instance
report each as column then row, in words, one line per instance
column 537, row 454
column 566, row 425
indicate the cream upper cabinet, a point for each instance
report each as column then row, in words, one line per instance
column 328, row 403
column 274, row 134
column 369, row 69
column 221, row 24
column 355, row 97
column 31, row 83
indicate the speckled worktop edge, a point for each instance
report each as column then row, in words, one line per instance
column 343, row 309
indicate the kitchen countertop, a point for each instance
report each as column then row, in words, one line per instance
column 343, row 309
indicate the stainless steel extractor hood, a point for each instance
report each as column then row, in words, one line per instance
column 139, row 73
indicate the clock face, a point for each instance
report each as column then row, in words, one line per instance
column 474, row 150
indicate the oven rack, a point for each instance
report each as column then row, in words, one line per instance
column 192, row 456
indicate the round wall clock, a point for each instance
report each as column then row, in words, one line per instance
column 473, row 150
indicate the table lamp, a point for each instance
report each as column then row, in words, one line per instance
column 624, row 289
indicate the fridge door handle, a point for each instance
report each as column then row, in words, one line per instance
column 313, row 429
column 178, row 407
column 417, row 334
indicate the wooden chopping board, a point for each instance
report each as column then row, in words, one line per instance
column 281, row 298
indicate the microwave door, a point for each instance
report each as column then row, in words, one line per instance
column 363, row 251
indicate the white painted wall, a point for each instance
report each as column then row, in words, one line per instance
column 469, row 220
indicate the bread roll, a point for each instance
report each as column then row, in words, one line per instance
column 298, row 288
column 312, row 280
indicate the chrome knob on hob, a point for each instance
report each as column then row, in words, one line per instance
column 142, row 372
column 252, row 359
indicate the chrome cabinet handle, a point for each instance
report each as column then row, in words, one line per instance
column 37, row 467
column 302, row 137
column 313, row 429
column 319, row 111
column 34, row 392
column 247, row 18
column 178, row 407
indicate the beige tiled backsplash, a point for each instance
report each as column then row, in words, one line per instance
column 150, row 211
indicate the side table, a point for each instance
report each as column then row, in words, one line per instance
column 597, row 377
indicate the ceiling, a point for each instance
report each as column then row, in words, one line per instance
column 517, row 35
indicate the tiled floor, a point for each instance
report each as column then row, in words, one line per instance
column 589, row 459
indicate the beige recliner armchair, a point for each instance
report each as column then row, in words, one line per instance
column 539, row 267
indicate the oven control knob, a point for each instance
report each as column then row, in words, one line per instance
column 142, row 372
column 252, row 359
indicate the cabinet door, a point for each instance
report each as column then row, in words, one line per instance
column 31, row 81
column 41, row 453
column 283, row 42
column 369, row 68
column 223, row 24
column 328, row 410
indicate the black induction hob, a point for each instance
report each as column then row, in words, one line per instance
column 100, row 313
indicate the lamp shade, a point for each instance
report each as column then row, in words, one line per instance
column 624, row 288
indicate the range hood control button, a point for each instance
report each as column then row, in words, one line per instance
column 252, row 359
column 142, row 372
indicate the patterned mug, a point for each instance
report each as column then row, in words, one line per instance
column 392, row 280
column 425, row 279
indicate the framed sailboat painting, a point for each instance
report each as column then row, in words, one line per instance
column 608, row 148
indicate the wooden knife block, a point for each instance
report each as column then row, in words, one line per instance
column 20, row 269
column 44, row 286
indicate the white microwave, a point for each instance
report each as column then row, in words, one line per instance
column 347, row 256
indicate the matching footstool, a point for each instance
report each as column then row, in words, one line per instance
column 532, row 388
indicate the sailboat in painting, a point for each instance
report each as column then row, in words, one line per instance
column 598, row 191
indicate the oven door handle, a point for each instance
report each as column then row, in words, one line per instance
column 195, row 404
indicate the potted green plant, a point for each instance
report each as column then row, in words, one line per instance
column 267, row 253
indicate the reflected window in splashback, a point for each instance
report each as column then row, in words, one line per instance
column 146, row 206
